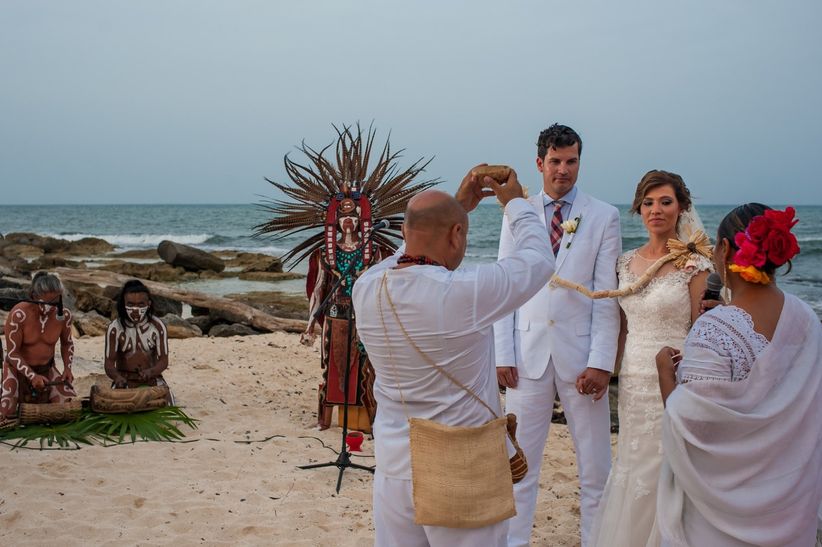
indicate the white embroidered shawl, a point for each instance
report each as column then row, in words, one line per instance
column 747, row 455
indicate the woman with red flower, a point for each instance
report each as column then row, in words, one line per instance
column 742, row 432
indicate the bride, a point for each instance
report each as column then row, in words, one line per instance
column 660, row 314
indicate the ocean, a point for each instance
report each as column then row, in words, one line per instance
column 212, row 227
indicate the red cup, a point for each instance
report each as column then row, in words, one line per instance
column 354, row 440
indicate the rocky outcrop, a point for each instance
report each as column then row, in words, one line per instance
column 180, row 328
column 90, row 323
column 7, row 267
column 51, row 245
column 9, row 282
column 88, row 246
column 187, row 257
column 269, row 276
column 236, row 312
column 234, row 329
column 203, row 322
column 164, row 306
column 275, row 303
column 48, row 262
column 251, row 262
column 9, row 297
column 87, row 301
column 19, row 250
column 157, row 271
column 45, row 243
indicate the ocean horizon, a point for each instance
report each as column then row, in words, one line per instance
column 231, row 226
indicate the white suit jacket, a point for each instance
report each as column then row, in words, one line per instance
column 559, row 323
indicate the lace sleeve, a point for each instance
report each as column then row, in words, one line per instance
column 622, row 263
column 704, row 356
column 699, row 264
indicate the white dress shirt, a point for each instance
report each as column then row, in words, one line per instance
column 449, row 315
column 568, row 199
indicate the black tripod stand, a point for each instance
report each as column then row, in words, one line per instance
column 343, row 460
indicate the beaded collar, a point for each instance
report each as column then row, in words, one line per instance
column 418, row 260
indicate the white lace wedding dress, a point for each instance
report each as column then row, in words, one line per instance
column 658, row 315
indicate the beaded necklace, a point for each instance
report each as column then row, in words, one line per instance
column 418, row 260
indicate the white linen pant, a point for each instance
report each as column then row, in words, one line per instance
column 395, row 527
column 590, row 425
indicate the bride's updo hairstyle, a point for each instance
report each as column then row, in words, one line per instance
column 739, row 220
column 655, row 178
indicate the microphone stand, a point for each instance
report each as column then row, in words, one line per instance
column 343, row 460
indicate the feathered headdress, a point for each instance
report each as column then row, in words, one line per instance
column 321, row 191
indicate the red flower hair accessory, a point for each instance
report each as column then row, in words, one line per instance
column 767, row 237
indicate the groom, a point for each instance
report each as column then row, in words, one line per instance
column 561, row 341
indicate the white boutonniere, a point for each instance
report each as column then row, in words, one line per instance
column 570, row 227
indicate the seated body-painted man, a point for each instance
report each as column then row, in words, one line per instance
column 137, row 341
column 32, row 330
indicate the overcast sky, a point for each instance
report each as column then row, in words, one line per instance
column 197, row 101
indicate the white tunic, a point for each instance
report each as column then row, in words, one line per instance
column 449, row 315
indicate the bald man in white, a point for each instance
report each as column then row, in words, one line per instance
column 449, row 313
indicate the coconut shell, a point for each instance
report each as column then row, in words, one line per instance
column 499, row 173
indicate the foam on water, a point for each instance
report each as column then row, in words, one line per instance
column 138, row 241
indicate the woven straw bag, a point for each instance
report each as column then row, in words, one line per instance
column 461, row 476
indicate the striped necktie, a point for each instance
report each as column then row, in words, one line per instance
column 556, row 226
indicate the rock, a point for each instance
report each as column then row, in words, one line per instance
column 157, row 271
column 47, row 244
column 271, row 264
column 198, row 310
column 7, row 282
column 49, row 262
column 19, row 250
column 188, row 257
column 87, row 301
column 275, row 303
column 164, row 306
column 89, row 246
column 203, row 322
column 234, row 329
column 7, row 267
column 90, row 323
column 252, row 262
column 137, row 253
column 180, row 328
column 9, row 297
column 269, row 276
column 226, row 316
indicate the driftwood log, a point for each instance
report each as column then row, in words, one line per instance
column 239, row 312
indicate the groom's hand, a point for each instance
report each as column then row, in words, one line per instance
column 593, row 381
column 507, row 376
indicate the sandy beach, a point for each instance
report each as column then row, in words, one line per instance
column 235, row 480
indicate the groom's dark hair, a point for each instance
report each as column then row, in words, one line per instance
column 557, row 136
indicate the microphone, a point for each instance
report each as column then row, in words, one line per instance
column 714, row 287
column 380, row 225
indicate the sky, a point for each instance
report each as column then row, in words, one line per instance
column 198, row 101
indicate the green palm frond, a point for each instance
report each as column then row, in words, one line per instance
column 154, row 425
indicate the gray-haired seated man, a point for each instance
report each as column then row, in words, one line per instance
column 32, row 330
